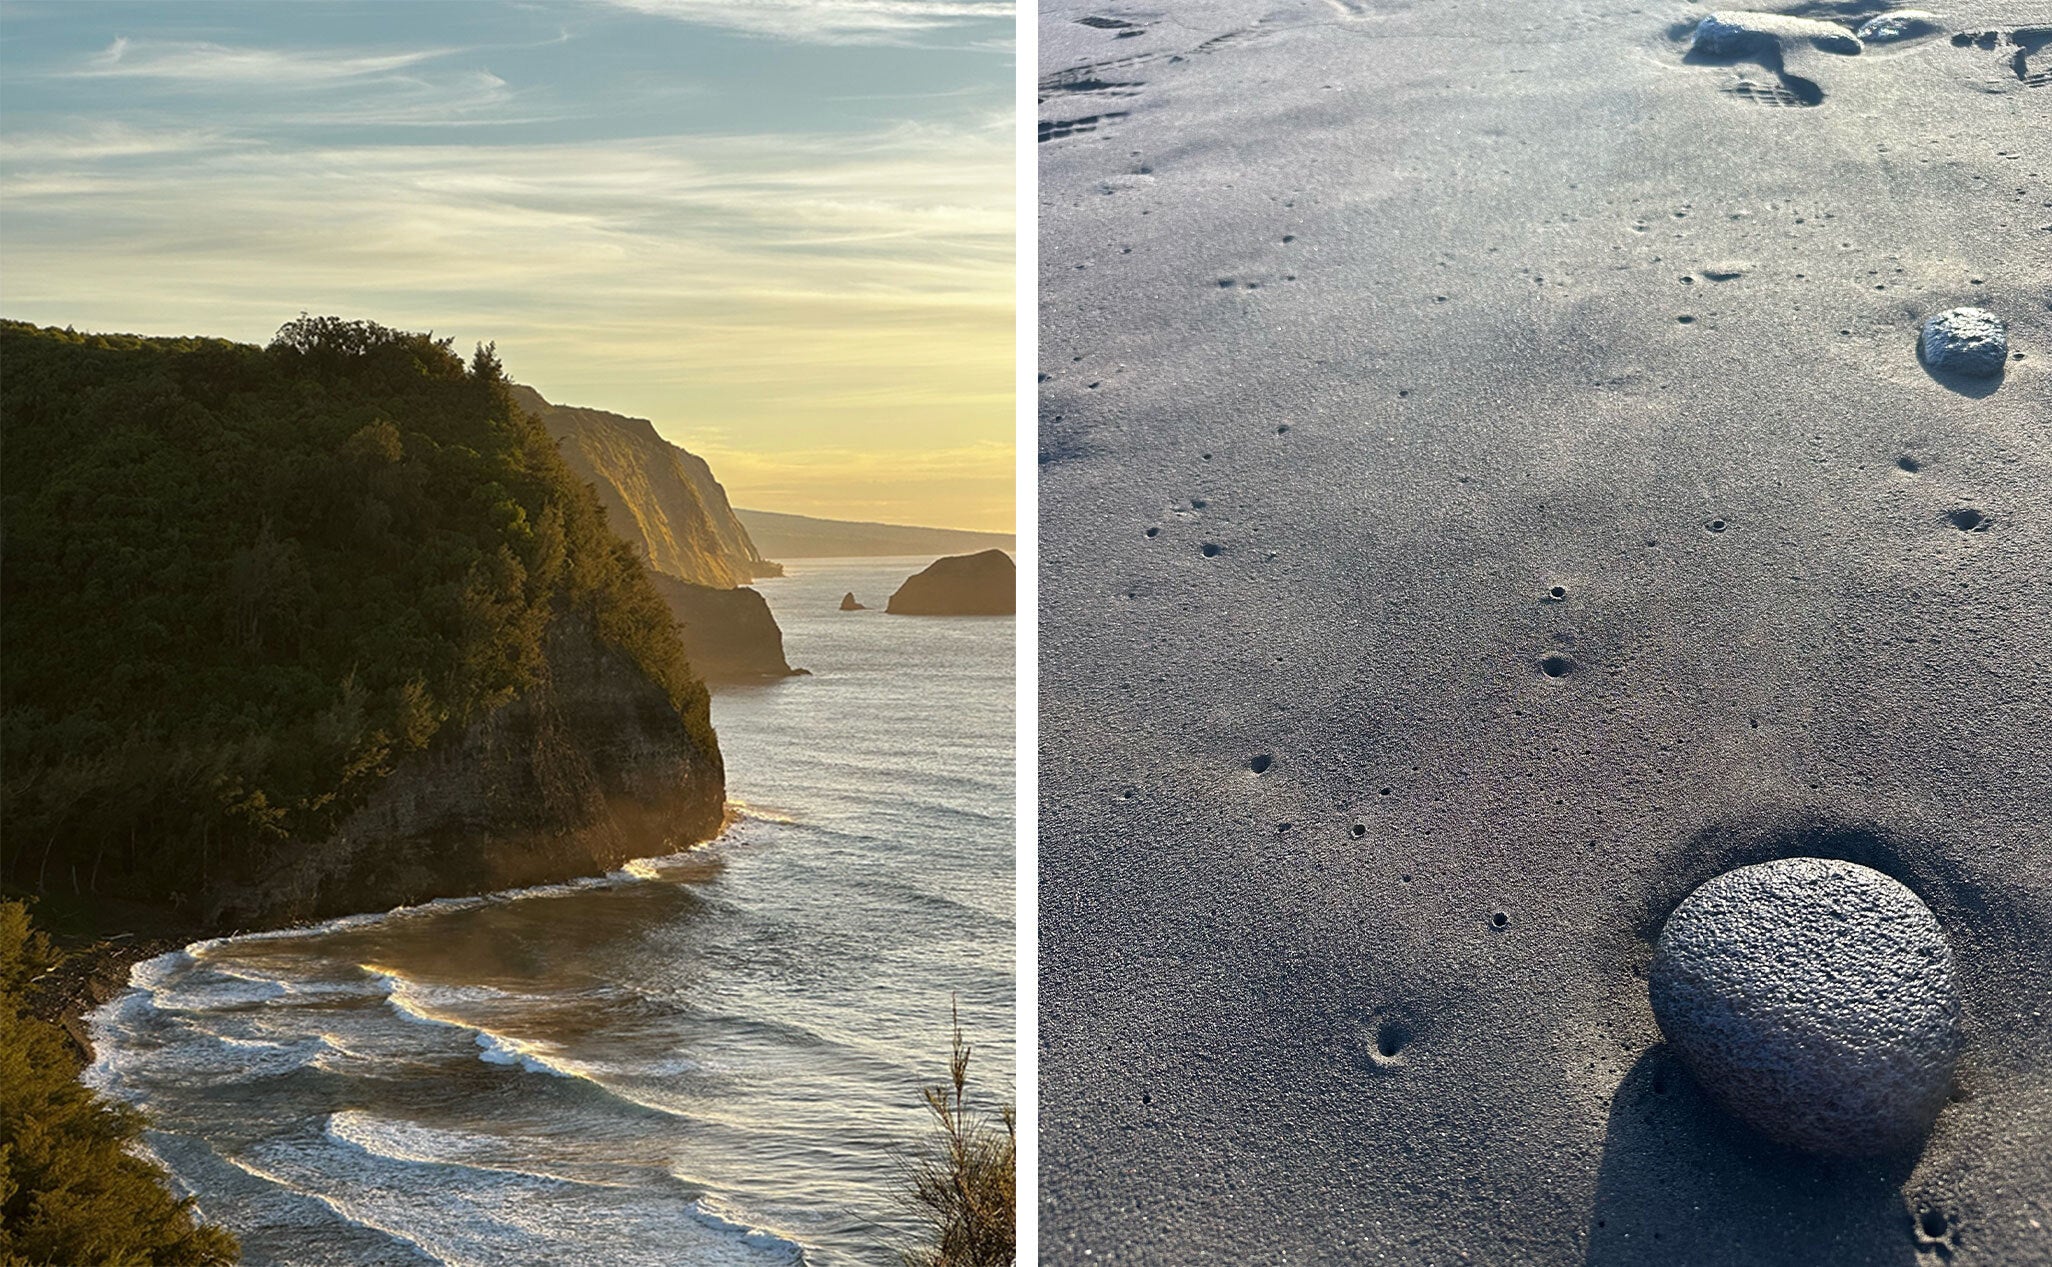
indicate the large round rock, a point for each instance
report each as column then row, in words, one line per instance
column 1814, row 999
column 1969, row 341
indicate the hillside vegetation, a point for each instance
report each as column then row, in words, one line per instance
column 239, row 584
column 71, row 1191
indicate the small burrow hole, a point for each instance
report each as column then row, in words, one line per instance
column 1391, row 1039
column 1360, row 830
column 1260, row 763
column 1499, row 920
column 1556, row 666
column 1210, row 549
column 1967, row 519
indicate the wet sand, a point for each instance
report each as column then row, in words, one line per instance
column 1489, row 487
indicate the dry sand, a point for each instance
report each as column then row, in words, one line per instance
column 1506, row 435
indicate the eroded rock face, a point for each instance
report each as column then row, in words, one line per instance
column 1814, row 999
column 1734, row 33
column 730, row 635
column 1970, row 341
column 585, row 770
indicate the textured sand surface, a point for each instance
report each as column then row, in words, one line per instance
column 1488, row 488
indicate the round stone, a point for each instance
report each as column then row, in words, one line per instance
column 1965, row 341
column 1813, row 999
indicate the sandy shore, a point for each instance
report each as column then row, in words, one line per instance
column 1488, row 487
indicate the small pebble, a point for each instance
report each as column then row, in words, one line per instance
column 1814, row 1000
column 1965, row 341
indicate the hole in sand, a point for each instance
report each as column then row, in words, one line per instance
column 1360, row 830
column 1967, row 519
column 1260, row 763
column 1909, row 463
column 1557, row 593
column 1933, row 1223
column 1210, row 549
column 1391, row 1039
column 1154, row 532
column 1715, row 525
column 1499, row 919
column 1556, row 666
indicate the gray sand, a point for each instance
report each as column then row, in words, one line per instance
column 1508, row 431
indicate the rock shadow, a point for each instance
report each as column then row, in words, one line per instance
column 1682, row 1181
column 1976, row 387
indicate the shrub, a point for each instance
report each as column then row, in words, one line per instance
column 962, row 1184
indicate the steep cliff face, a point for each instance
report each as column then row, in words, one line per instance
column 980, row 584
column 661, row 498
column 591, row 766
column 729, row 634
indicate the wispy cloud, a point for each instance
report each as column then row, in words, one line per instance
column 819, row 299
column 105, row 139
column 771, row 283
column 827, row 21
column 220, row 64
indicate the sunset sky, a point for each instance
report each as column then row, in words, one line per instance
column 781, row 229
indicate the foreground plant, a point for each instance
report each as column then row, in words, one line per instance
column 962, row 1183
column 72, row 1188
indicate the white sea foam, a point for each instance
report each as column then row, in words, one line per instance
column 463, row 1214
column 716, row 1214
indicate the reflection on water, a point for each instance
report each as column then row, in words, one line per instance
column 700, row 1059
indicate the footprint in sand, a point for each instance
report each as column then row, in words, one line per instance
column 1779, row 45
column 2023, row 51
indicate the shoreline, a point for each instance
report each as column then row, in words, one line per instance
column 94, row 970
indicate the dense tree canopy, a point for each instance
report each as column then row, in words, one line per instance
column 238, row 583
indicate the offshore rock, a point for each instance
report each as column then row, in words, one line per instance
column 981, row 584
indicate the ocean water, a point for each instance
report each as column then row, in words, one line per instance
column 708, row 1058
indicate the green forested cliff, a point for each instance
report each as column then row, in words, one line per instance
column 239, row 584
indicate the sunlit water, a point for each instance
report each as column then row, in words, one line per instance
column 709, row 1058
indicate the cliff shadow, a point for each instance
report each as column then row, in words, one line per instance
column 1682, row 1182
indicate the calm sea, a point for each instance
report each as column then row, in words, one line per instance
column 708, row 1058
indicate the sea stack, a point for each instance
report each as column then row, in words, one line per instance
column 848, row 603
column 1814, row 999
column 981, row 584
